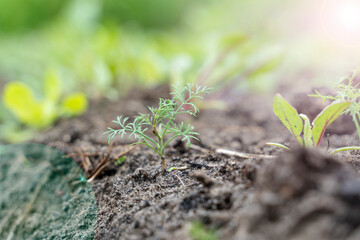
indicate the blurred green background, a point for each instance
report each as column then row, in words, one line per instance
column 103, row 49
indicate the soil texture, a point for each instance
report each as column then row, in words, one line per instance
column 256, row 196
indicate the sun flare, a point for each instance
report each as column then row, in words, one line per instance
column 341, row 20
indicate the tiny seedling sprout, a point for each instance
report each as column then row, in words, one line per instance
column 308, row 134
column 161, row 121
column 120, row 160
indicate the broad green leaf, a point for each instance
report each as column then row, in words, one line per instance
column 325, row 118
column 74, row 104
column 308, row 142
column 288, row 116
column 52, row 86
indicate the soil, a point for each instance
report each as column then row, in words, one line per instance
column 299, row 195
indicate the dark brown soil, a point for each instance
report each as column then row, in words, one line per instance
column 300, row 195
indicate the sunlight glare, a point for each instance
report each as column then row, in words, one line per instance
column 342, row 20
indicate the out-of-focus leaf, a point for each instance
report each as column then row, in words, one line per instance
column 266, row 66
column 74, row 104
column 52, row 86
column 233, row 40
column 20, row 100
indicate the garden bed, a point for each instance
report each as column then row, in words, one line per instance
column 300, row 195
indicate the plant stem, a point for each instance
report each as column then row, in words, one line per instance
column 355, row 120
column 163, row 164
column 155, row 132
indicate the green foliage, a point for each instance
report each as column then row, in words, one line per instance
column 20, row 15
column 199, row 232
column 346, row 91
column 120, row 160
column 308, row 135
column 171, row 169
column 325, row 118
column 312, row 134
column 22, row 102
column 105, row 48
column 74, row 104
column 159, row 14
column 289, row 117
column 161, row 121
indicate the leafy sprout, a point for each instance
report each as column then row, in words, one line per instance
column 22, row 102
column 308, row 134
column 161, row 121
column 346, row 91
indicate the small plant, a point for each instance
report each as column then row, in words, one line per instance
column 161, row 121
column 21, row 100
column 199, row 232
column 346, row 91
column 120, row 160
column 306, row 134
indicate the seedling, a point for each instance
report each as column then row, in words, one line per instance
column 306, row 134
column 161, row 121
column 21, row 100
column 120, row 160
column 347, row 91
column 199, row 232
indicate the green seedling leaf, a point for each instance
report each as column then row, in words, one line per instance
column 120, row 160
column 288, row 116
column 350, row 148
column 278, row 145
column 308, row 142
column 171, row 169
column 198, row 231
column 74, row 104
column 52, row 86
column 325, row 118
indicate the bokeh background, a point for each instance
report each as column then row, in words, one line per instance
column 57, row 56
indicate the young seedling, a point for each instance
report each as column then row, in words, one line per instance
column 161, row 121
column 308, row 134
column 346, row 91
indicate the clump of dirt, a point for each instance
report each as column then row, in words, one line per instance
column 303, row 195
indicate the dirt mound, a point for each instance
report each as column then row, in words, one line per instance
column 303, row 195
